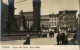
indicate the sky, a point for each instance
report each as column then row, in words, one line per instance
column 47, row 6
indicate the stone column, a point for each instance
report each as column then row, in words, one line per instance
column 36, row 14
column 10, row 15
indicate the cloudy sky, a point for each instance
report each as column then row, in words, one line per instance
column 47, row 6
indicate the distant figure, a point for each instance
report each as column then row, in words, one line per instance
column 66, row 40
column 27, row 42
column 43, row 34
column 58, row 38
column 39, row 34
column 51, row 34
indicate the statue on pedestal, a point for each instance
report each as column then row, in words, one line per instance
column 24, row 20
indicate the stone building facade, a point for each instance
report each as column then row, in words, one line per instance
column 29, row 18
column 44, row 21
column 53, row 20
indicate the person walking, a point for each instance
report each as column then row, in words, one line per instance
column 27, row 42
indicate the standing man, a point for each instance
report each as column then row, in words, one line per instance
column 58, row 38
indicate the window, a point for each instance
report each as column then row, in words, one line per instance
column 55, row 23
column 55, row 18
column 52, row 19
column 43, row 22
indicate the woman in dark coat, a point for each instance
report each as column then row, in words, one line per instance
column 27, row 42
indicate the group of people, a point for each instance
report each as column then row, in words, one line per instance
column 62, row 39
column 44, row 34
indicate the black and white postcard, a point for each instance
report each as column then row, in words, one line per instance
column 40, row 22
